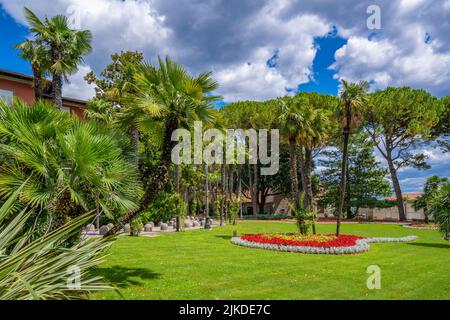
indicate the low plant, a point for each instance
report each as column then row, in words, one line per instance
column 136, row 227
column 233, row 210
column 42, row 268
column 304, row 218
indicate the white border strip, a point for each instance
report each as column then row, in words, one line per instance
column 362, row 245
column 419, row 228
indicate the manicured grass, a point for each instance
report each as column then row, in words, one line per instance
column 204, row 265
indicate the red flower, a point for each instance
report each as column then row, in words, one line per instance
column 341, row 241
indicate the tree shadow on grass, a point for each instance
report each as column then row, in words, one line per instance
column 224, row 237
column 431, row 245
column 122, row 277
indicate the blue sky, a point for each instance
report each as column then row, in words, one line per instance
column 258, row 50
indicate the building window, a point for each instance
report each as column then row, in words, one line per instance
column 6, row 95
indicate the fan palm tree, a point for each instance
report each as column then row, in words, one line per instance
column 66, row 48
column 168, row 94
column 70, row 166
column 291, row 127
column 352, row 98
column 37, row 55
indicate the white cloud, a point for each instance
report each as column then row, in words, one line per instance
column 223, row 36
column 77, row 87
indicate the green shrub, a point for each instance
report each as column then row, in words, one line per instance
column 440, row 208
column 32, row 269
column 164, row 208
column 136, row 227
column 304, row 218
column 233, row 210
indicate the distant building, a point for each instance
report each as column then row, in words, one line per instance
column 13, row 84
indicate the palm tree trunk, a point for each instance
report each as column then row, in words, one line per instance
column 343, row 180
column 177, row 189
column 255, row 188
column 57, row 90
column 397, row 189
column 301, row 161
column 308, row 181
column 157, row 180
column 206, row 195
column 37, row 83
column 134, row 136
column 240, row 191
column 293, row 170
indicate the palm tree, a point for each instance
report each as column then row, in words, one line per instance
column 66, row 48
column 352, row 99
column 168, row 94
column 70, row 166
column 37, row 55
column 291, row 125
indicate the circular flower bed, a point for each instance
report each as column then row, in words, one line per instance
column 421, row 226
column 316, row 244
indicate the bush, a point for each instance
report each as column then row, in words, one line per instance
column 164, row 208
column 304, row 217
column 233, row 210
column 440, row 208
column 136, row 227
column 41, row 268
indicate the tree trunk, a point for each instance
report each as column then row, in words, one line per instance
column 57, row 90
column 397, row 189
column 56, row 79
column 157, row 180
column 343, row 180
column 223, row 184
column 206, row 195
column 301, row 161
column 177, row 190
column 308, row 181
column 134, row 137
column 255, row 189
column 240, row 191
column 37, row 83
column 293, row 170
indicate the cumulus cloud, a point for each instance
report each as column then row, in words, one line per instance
column 235, row 39
column 77, row 87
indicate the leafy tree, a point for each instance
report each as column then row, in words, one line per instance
column 65, row 46
column 114, row 85
column 431, row 187
column 352, row 99
column 397, row 119
column 173, row 97
column 366, row 179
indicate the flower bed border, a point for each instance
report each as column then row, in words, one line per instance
column 409, row 226
column 362, row 245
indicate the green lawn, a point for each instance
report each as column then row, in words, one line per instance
column 204, row 265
